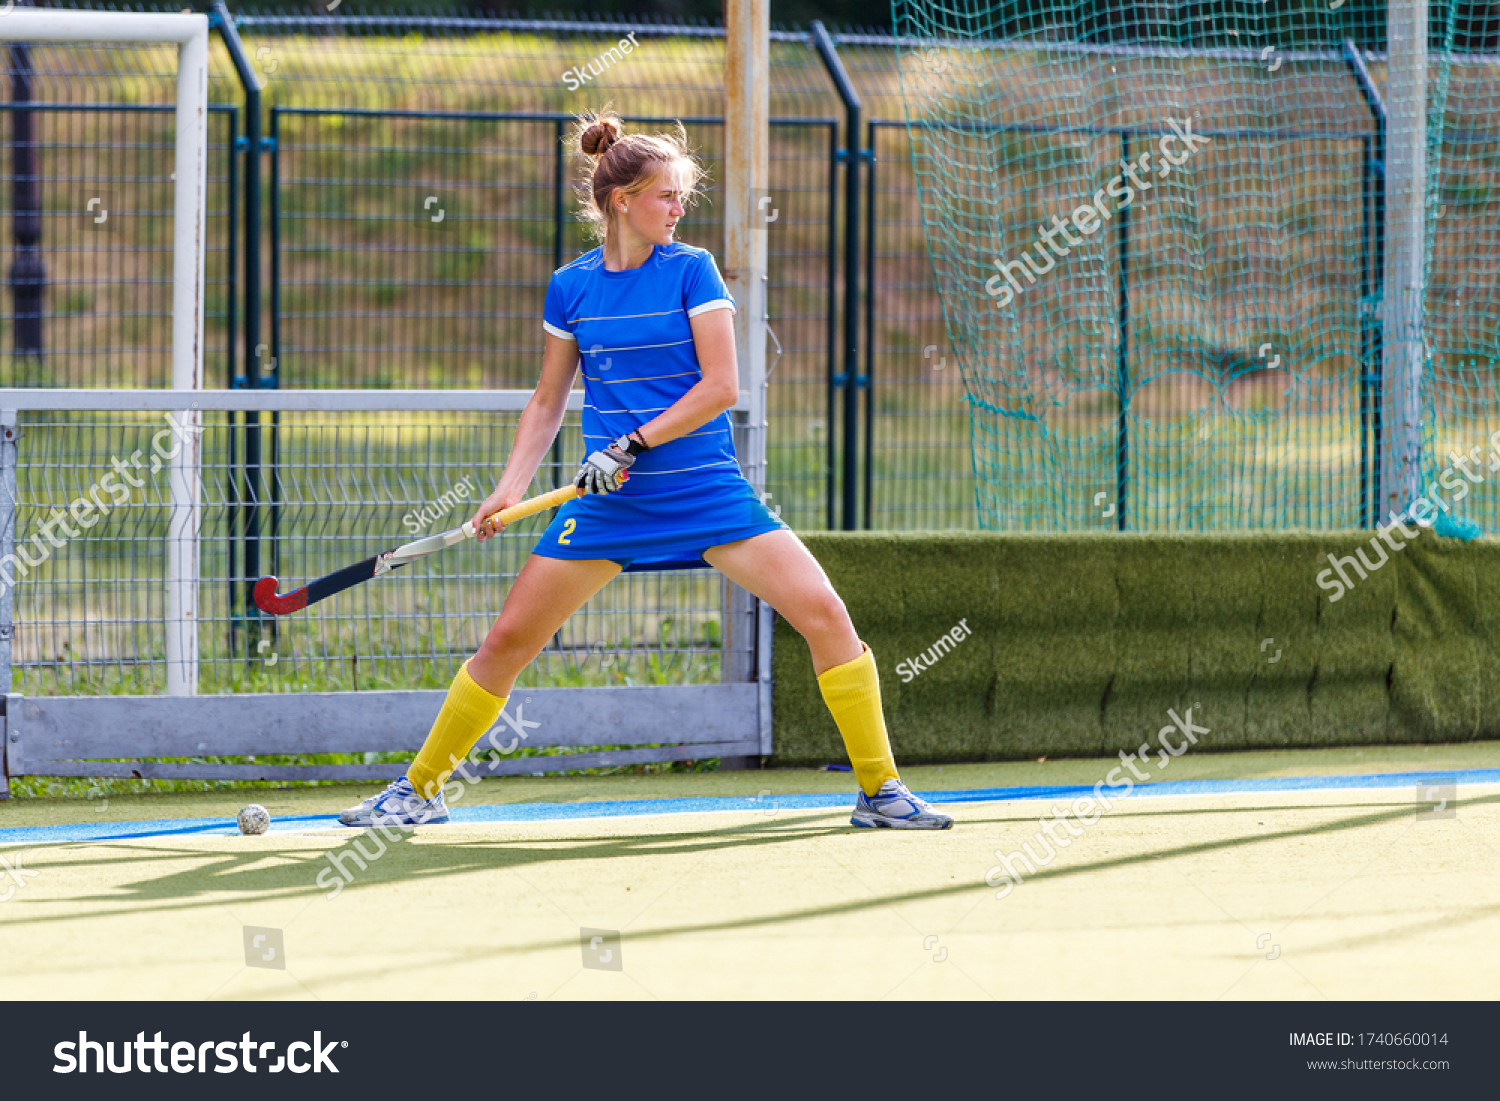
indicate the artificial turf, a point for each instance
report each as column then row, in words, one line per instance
column 1081, row 643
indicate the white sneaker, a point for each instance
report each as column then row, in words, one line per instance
column 397, row 805
column 896, row 808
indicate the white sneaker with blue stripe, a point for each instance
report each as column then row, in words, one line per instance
column 896, row 808
column 397, row 805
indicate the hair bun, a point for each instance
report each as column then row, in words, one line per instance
column 599, row 136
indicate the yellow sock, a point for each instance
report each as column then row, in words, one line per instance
column 852, row 693
column 467, row 713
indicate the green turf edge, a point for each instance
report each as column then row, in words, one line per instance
column 1082, row 642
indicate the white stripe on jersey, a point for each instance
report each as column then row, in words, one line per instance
column 628, row 316
column 587, row 301
column 643, row 378
column 595, row 349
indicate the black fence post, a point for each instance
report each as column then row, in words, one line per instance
column 231, row 489
column 830, row 445
column 849, row 378
column 272, row 379
column 28, row 275
column 867, row 380
column 253, row 360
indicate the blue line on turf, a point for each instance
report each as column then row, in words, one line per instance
column 631, row 808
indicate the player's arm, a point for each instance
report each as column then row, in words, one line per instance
column 716, row 391
column 540, row 421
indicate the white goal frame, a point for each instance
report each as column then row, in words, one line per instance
column 1403, row 345
column 189, row 32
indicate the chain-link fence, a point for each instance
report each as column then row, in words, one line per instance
column 87, row 224
column 94, row 529
column 386, row 199
column 411, row 186
column 416, row 191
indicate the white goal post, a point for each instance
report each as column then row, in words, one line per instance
column 190, row 34
column 1404, row 353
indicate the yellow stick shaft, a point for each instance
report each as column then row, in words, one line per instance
column 531, row 506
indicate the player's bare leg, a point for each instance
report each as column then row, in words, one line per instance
column 781, row 571
column 545, row 593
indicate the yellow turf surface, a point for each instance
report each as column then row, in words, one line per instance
column 1352, row 894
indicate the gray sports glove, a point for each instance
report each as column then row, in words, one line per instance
column 604, row 471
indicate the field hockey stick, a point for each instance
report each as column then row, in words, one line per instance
column 267, row 599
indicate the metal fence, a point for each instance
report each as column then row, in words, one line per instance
column 658, row 666
column 88, row 523
column 88, row 298
column 401, row 192
column 387, row 196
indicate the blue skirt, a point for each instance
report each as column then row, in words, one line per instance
column 646, row 529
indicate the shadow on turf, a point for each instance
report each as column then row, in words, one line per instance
column 294, row 875
column 1405, row 810
column 294, row 878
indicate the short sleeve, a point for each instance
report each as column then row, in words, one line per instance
column 705, row 289
column 554, row 316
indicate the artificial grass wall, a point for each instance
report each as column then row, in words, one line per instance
column 1081, row 643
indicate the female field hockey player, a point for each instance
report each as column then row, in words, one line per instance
column 649, row 320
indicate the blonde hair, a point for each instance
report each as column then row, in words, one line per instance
column 627, row 163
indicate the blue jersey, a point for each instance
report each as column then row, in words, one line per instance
column 635, row 341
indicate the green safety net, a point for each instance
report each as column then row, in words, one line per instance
column 1157, row 238
column 1461, row 316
